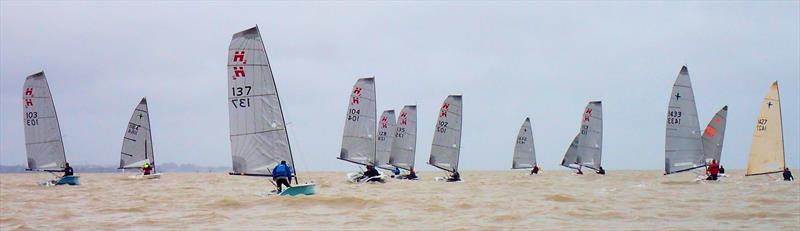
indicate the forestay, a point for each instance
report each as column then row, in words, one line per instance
column 587, row 148
column 683, row 147
column 404, row 145
column 43, row 142
column 524, row 153
column 137, row 144
column 259, row 140
column 358, row 139
column 386, row 128
column 446, row 145
column 767, row 150
column 714, row 135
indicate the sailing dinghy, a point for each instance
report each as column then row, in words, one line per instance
column 683, row 149
column 713, row 137
column 259, row 140
column 524, row 151
column 446, row 146
column 404, row 146
column 359, row 144
column 43, row 142
column 137, row 144
column 385, row 138
column 767, row 155
column 586, row 148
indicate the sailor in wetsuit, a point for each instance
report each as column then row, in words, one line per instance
column 454, row 177
column 282, row 175
column 601, row 171
column 787, row 175
column 535, row 170
column 371, row 172
column 68, row 170
column 712, row 170
column 411, row 175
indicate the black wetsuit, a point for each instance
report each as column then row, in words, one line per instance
column 454, row 177
column 68, row 171
column 601, row 171
column 787, row 176
column 721, row 170
column 535, row 170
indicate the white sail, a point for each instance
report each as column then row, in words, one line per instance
column 714, row 135
column 404, row 145
column 683, row 147
column 137, row 144
column 358, row 139
column 524, row 152
column 386, row 129
column 767, row 150
column 587, row 148
column 259, row 140
column 446, row 145
column 43, row 141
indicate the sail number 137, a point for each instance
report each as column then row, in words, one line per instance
column 241, row 91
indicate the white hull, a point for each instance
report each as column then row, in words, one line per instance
column 357, row 178
column 145, row 177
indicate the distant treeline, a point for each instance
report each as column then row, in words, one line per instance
column 165, row 167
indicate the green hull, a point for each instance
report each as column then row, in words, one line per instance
column 301, row 189
column 70, row 180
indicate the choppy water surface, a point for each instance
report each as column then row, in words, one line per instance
column 487, row 200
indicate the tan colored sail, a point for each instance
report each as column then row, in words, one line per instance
column 766, row 151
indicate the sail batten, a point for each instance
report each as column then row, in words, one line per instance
column 767, row 154
column 259, row 139
column 446, row 146
column 683, row 149
column 404, row 145
column 43, row 141
column 359, row 136
column 524, row 151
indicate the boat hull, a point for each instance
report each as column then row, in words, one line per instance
column 300, row 189
column 358, row 177
column 145, row 177
column 68, row 180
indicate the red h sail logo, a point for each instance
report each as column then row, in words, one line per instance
column 384, row 122
column 356, row 95
column 403, row 116
column 443, row 113
column 587, row 114
column 238, row 71
column 28, row 93
column 238, row 56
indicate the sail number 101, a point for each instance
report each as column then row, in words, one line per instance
column 241, row 91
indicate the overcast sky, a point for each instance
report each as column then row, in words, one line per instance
column 510, row 60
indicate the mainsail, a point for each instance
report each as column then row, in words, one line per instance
column 259, row 140
column 137, row 144
column 524, row 152
column 683, row 147
column 386, row 128
column 447, row 136
column 404, row 145
column 587, row 148
column 358, row 139
column 767, row 151
column 43, row 141
column 714, row 135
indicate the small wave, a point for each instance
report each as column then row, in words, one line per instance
column 135, row 209
column 561, row 198
column 508, row 218
column 678, row 182
column 750, row 215
column 206, row 216
column 228, row 203
column 336, row 202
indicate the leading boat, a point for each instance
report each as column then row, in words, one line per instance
column 586, row 148
column 259, row 140
column 767, row 154
column 43, row 142
column 359, row 144
column 683, row 149
column 137, row 143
